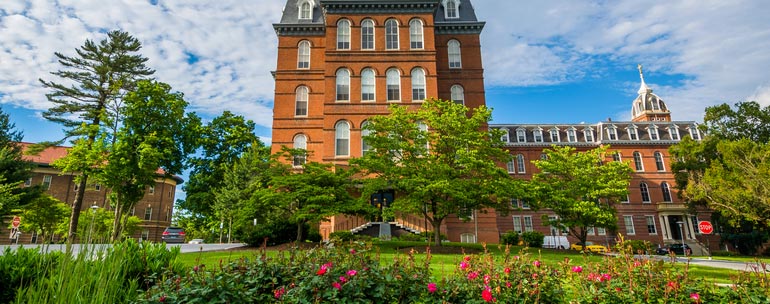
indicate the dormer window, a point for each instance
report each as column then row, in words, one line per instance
column 538, row 135
column 694, row 133
column 653, row 130
column 571, row 136
column 612, row 133
column 555, row 135
column 632, row 133
column 306, row 10
column 521, row 135
column 673, row 132
column 452, row 9
column 505, row 137
column 589, row 135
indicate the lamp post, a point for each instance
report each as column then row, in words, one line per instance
column 680, row 223
column 93, row 219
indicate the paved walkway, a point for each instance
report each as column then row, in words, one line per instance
column 703, row 261
column 184, row 248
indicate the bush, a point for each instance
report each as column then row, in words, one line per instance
column 343, row 236
column 725, row 253
column 636, row 246
column 429, row 236
column 313, row 237
column 533, row 239
column 21, row 267
column 411, row 237
column 274, row 233
column 510, row 238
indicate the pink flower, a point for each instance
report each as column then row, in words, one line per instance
column 352, row 251
column 672, row 285
column 195, row 268
column 467, row 258
column 432, row 287
column 534, row 276
column 695, row 297
column 279, row 292
column 473, row 275
column 605, row 277
column 352, row 272
column 516, row 257
column 343, row 279
column 536, row 263
column 487, row 278
column 508, row 284
column 337, row 285
column 637, row 263
column 463, row 265
column 507, row 270
column 487, row 295
column 577, row 269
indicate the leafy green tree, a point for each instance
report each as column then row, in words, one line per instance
column 13, row 168
column 440, row 159
column 44, row 214
column 234, row 201
column 94, row 82
column 155, row 133
column 580, row 188
column 745, row 120
column 307, row 194
column 222, row 142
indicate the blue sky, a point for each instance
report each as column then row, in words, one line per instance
column 545, row 61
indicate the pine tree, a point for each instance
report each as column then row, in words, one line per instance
column 100, row 75
column 13, row 168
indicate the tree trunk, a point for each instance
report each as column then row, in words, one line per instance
column 299, row 231
column 116, row 222
column 75, row 215
column 436, row 223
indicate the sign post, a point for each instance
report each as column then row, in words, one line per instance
column 705, row 227
column 16, row 222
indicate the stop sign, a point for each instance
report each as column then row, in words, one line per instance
column 16, row 222
column 705, row 227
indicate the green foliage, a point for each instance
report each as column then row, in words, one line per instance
column 432, row 236
column 274, row 232
column 44, row 214
column 747, row 241
column 21, row 267
column 411, row 237
column 510, row 238
column 440, row 158
column 580, row 188
column 533, row 239
column 341, row 236
column 747, row 120
column 13, row 169
column 637, row 246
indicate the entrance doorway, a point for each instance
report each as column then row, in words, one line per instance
column 382, row 199
column 676, row 234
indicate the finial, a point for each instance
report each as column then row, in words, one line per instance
column 641, row 74
column 643, row 88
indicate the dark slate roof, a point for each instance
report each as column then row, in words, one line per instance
column 291, row 14
column 467, row 13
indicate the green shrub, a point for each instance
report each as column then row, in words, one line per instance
column 273, row 233
column 636, row 246
column 344, row 236
column 510, row 238
column 533, row 239
column 21, row 267
column 411, row 237
column 429, row 235
column 725, row 253
column 313, row 237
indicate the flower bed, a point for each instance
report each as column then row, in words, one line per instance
column 354, row 275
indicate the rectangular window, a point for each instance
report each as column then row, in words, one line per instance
column 517, row 224
column 629, row 222
column 589, row 135
column 538, row 136
column 151, row 190
column 145, row 235
column 28, row 182
column 654, row 134
column 554, row 229
column 148, row 214
column 393, row 92
column 632, row 135
column 651, row 225
column 510, row 166
column 601, row 231
column 46, row 182
column 571, row 137
column 674, row 133
column 418, row 93
column 555, row 135
column 98, row 187
column 467, row 238
column 521, row 136
column 625, row 200
column 528, row 224
column 694, row 221
column 612, row 133
column 591, row 231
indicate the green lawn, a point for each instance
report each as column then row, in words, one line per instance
column 443, row 264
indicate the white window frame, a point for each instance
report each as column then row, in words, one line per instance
column 511, row 165
column 612, row 133
column 458, row 94
column 46, row 182
column 391, row 36
column 151, row 190
column 418, row 85
column 467, row 238
column 521, row 135
column 673, row 133
column 301, row 95
column 694, row 132
column 145, row 235
column 416, row 37
column 628, row 220
column 517, row 224
column 393, row 75
column 299, row 142
column 305, row 10
column 633, row 133
column 342, row 135
column 537, row 134
column 555, row 131
column 617, row 156
column 454, row 53
column 303, row 55
column 342, row 85
column 365, row 132
column 644, row 190
column 571, row 135
column 666, row 190
column 520, row 165
column 588, row 134
column 601, row 231
column 506, row 137
column 659, row 163
column 368, row 40
column 368, row 85
column 528, row 226
column 451, row 9
column 653, row 131
column 28, row 182
column 652, row 229
column 148, row 214
column 343, row 34
column 638, row 164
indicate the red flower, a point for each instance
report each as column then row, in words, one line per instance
column 162, row 298
column 577, row 269
column 695, row 297
column 336, row 285
column 536, row 263
column 321, row 271
column 463, row 265
column 605, row 277
column 352, row 251
column 278, row 293
column 352, row 272
column 432, row 287
column 487, row 295
column 467, row 258
column 672, row 285
column 473, row 275
column 343, row 279
column 507, row 270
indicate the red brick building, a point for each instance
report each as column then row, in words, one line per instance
column 342, row 61
column 155, row 209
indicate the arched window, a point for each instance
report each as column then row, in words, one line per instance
column 306, row 11
column 638, row 161
column 343, row 35
column 521, row 135
column 645, row 192
column 455, row 58
column 458, row 94
column 537, row 135
column 415, row 34
column 391, row 34
column 418, row 84
column 588, row 134
column 367, row 85
column 571, row 135
column 520, row 166
column 511, row 166
column 343, row 85
column 303, row 55
column 365, row 147
column 506, row 137
column 342, row 138
column 300, row 143
column 666, row 191
column 367, row 34
column 451, row 8
column 300, row 102
column 617, row 156
column 659, row 161
column 393, row 83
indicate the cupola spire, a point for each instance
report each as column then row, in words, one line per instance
column 643, row 88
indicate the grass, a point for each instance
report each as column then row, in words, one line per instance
column 443, row 264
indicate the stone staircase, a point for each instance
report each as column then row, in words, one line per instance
column 383, row 230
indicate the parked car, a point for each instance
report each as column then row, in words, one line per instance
column 590, row 246
column 676, row 248
column 195, row 241
column 173, row 235
column 555, row 242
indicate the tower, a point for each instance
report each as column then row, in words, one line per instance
column 343, row 61
column 648, row 106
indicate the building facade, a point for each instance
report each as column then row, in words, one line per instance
column 342, row 61
column 155, row 209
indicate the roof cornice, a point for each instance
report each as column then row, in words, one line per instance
column 444, row 28
column 282, row 29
